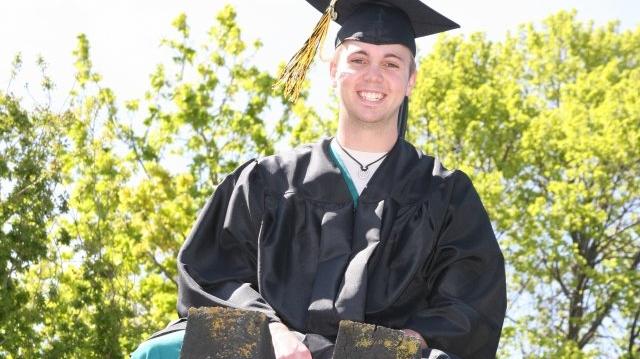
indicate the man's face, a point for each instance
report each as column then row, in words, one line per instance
column 372, row 80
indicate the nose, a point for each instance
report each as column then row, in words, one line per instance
column 373, row 73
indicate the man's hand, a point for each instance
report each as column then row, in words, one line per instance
column 286, row 344
column 413, row 333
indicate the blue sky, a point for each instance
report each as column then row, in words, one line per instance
column 125, row 34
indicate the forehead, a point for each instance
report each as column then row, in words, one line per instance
column 395, row 50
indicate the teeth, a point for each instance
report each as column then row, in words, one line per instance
column 371, row 96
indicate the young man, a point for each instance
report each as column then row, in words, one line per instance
column 362, row 226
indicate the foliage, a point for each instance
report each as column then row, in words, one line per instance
column 548, row 124
column 29, row 174
column 103, row 277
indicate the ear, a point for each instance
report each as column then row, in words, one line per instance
column 332, row 71
column 411, row 83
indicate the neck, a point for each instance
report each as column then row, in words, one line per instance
column 367, row 138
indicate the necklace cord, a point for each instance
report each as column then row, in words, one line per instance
column 362, row 168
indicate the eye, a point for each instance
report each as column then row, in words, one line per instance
column 392, row 65
column 358, row 60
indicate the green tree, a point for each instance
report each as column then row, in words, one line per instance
column 133, row 180
column 547, row 122
column 204, row 114
column 30, row 144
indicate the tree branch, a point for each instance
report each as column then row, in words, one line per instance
column 162, row 268
column 623, row 229
column 586, row 338
column 634, row 333
column 607, row 308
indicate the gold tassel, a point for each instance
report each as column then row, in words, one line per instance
column 294, row 74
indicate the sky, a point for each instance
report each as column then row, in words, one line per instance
column 125, row 34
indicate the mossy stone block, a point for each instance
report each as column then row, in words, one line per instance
column 223, row 333
column 360, row 341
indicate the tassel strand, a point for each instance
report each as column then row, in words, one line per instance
column 293, row 76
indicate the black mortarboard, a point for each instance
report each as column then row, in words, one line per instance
column 385, row 22
column 370, row 21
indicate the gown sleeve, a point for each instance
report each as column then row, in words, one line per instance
column 466, row 303
column 217, row 263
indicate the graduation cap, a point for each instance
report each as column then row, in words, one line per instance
column 371, row 21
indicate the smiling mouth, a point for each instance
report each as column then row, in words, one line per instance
column 371, row 96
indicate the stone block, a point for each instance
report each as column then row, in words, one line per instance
column 223, row 333
column 360, row 341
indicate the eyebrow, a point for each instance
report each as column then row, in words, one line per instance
column 389, row 54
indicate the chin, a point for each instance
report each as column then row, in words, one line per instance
column 371, row 120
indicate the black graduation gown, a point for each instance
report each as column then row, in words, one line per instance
column 281, row 235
